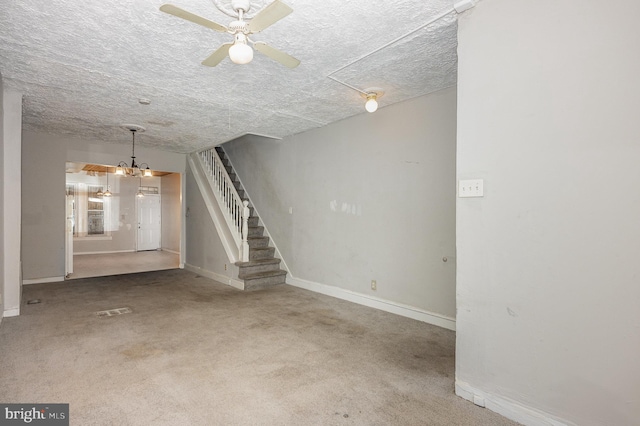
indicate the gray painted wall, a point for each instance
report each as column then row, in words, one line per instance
column 43, row 211
column 12, row 130
column 43, row 206
column 372, row 196
column 2, row 207
column 548, row 271
column 171, row 212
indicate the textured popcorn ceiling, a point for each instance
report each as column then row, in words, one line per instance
column 83, row 65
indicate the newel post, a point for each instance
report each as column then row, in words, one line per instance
column 245, row 231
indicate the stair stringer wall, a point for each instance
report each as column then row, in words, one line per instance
column 217, row 216
column 272, row 242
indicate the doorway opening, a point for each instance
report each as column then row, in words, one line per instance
column 121, row 224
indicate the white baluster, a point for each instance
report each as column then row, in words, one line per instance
column 245, row 231
column 237, row 211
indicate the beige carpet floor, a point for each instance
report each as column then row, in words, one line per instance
column 196, row 352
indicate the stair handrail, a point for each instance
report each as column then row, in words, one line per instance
column 235, row 209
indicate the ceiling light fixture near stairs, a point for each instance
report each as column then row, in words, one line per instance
column 371, row 95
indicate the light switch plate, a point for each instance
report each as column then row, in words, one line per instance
column 471, row 188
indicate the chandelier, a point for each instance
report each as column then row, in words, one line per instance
column 134, row 169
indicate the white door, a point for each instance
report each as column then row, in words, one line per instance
column 149, row 224
column 69, row 237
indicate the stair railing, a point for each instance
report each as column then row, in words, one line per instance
column 235, row 209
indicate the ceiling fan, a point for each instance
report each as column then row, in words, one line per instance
column 239, row 51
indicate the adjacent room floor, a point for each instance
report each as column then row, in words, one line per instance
column 102, row 265
column 194, row 351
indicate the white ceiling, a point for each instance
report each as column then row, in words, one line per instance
column 83, row 65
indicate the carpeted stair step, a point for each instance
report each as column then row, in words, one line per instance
column 261, row 253
column 253, row 220
column 264, row 279
column 258, row 242
column 257, row 266
column 256, row 231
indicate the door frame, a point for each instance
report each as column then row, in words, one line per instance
column 68, row 252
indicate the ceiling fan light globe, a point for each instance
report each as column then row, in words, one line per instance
column 240, row 53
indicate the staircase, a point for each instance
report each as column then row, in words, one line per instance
column 263, row 268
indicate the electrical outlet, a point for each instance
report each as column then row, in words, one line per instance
column 374, row 285
column 225, row 266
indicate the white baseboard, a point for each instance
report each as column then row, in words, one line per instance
column 103, row 252
column 170, row 251
column 375, row 302
column 11, row 312
column 42, row 280
column 215, row 276
column 508, row 408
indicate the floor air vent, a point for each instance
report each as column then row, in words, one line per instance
column 113, row 312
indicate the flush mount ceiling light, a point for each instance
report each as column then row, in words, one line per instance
column 372, row 103
column 371, row 95
column 143, row 169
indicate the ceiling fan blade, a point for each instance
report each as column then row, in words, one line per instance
column 216, row 57
column 268, row 16
column 276, row 55
column 181, row 13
